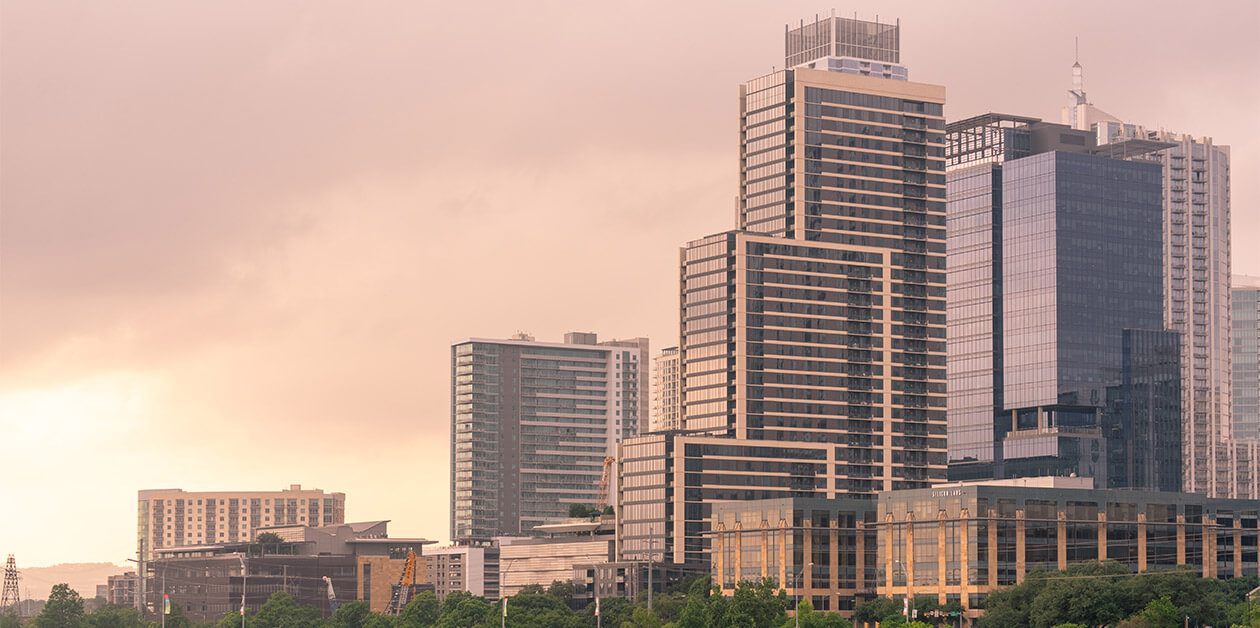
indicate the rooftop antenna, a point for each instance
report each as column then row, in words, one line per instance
column 1078, row 49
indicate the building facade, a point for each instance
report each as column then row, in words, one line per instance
column 120, row 590
column 463, row 568
column 812, row 337
column 1246, row 358
column 174, row 517
column 823, row 550
column 531, row 424
column 959, row 542
column 542, row 561
column 1059, row 362
column 667, row 406
column 1196, row 281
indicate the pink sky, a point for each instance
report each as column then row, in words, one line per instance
column 238, row 238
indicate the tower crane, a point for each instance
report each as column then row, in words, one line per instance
column 402, row 591
column 601, row 500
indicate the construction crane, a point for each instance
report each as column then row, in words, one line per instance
column 402, row 591
column 332, row 597
column 602, row 499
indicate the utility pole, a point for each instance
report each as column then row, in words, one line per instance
column 244, row 579
column 651, row 546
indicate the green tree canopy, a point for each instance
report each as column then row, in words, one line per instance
column 422, row 611
column 64, row 609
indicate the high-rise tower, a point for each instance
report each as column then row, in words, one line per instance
column 1058, row 360
column 812, row 337
column 1196, row 283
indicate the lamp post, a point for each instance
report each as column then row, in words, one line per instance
column 800, row 573
column 144, row 576
column 244, row 580
column 503, row 589
column 909, row 599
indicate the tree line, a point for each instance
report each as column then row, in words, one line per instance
column 1084, row 596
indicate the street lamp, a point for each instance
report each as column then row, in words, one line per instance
column 144, row 576
column 244, row 579
column 798, row 593
column 909, row 599
column 503, row 589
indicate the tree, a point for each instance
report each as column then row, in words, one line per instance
column 232, row 619
column 281, row 611
column 694, row 614
column 114, row 617
column 642, row 618
column 352, row 615
column 10, row 620
column 64, row 609
column 562, row 591
column 582, row 511
column 467, row 612
column 1071, row 626
column 420, row 612
column 873, row 610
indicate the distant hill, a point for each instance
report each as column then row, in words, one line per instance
column 82, row 577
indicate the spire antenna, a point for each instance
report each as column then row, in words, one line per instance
column 1078, row 49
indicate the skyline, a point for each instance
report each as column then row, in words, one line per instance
column 188, row 251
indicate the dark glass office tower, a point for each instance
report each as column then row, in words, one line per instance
column 1056, row 308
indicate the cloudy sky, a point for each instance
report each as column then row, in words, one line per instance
column 237, row 238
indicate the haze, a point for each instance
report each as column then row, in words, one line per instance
column 238, row 238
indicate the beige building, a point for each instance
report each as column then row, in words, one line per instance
column 174, row 517
column 463, row 568
column 542, row 561
column 667, row 402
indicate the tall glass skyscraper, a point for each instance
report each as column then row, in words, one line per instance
column 531, row 424
column 1246, row 368
column 1059, row 363
column 1196, row 276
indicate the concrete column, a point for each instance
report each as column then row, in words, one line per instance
column 782, row 571
column 1209, row 547
column 910, row 557
column 1141, row 542
column 739, row 554
column 834, row 557
column 861, row 556
column 993, row 548
column 941, row 577
column 1021, row 561
column 964, row 546
column 1102, row 536
column 889, row 547
column 1181, row 538
column 1237, row 546
column 807, row 579
column 720, row 559
column 765, row 551
column 1060, row 536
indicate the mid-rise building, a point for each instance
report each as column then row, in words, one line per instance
column 1195, row 181
column 1059, row 363
column 120, row 590
column 463, row 568
column 667, row 409
column 554, row 556
column 531, row 425
column 174, row 518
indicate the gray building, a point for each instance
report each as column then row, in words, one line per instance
column 1246, row 357
column 1059, row 362
column 531, row 424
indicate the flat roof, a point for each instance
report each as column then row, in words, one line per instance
column 413, row 541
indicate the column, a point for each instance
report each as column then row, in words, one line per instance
column 1141, row 542
column 765, row 551
column 834, row 556
column 807, row 578
column 1181, row 538
column 1102, row 536
column 993, row 563
column 783, row 527
column 1209, row 546
column 910, row 557
column 1021, row 542
column 739, row 554
column 964, row 547
column 720, row 560
column 861, row 556
column 1237, row 546
column 941, row 576
column 889, row 547
column 1061, row 536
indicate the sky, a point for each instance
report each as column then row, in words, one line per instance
column 237, row 239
